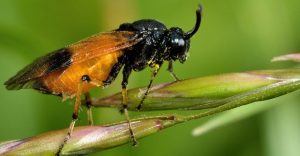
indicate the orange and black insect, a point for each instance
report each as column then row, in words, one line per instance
column 96, row 61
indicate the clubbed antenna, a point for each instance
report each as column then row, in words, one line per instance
column 190, row 33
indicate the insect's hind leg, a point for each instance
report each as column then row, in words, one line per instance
column 84, row 78
column 88, row 104
column 126, row 72
column 154, row 73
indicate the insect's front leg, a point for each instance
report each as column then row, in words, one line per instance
column 170, row 69
column 84, row 79
column 126, row 72
column 156, row 68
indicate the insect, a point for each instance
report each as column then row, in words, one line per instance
column 96, row 61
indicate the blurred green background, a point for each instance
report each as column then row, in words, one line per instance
column 234, row 36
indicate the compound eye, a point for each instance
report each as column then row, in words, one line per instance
column 178, row 42
column 178, row 46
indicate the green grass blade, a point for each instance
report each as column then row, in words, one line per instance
column 201, row 92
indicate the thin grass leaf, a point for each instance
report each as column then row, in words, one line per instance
column 230, row 116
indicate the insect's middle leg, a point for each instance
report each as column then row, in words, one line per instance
column 126, row 72
column 84, row 79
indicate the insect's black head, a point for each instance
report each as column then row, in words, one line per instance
column 178, row 42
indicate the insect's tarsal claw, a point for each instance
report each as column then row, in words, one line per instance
column 134, row 142
column 139, row 107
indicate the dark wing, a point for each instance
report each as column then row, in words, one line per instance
column 56, row 60
column 92, row 47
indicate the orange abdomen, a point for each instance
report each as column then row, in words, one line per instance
column 66, row 81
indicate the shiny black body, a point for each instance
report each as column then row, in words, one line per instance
column 154, row 49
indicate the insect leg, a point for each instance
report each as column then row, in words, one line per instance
column 154, row 73
column 170, row 69
column 126, row 72
column 84, row 78
column 88, row 104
